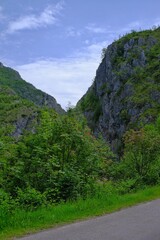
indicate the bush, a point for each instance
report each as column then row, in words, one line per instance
column 30, row 198
column 7, row 207
column 153, row 175
column 128, row 186
column 141, row 159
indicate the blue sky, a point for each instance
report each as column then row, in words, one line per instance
column 56, row 45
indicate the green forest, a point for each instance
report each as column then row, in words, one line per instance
column 62, row 161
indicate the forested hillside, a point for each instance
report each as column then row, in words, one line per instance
column 13, row 80
column 45, row 156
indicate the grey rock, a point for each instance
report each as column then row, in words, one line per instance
column 141, row 42
column 114, row 87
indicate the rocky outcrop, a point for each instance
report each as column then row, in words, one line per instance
column 24, row 123
column 126, row 90
column 16, row 114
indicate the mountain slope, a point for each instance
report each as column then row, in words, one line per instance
column 16, row 114
column 12, row 79
column 126, row 91
column 21, row 104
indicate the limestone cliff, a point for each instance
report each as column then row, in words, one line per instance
column 126, row 91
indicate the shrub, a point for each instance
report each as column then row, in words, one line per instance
column 30, row 198
column 7, row 207
column 127, row 186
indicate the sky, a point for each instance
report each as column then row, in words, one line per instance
column 56, row 44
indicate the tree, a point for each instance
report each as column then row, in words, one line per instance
column 61, row 160
column 142, row 151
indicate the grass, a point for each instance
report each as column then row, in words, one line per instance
column 105, row 201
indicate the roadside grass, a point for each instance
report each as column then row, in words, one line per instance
column 106, row 200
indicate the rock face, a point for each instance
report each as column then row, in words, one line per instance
column 16, row 114
column 126, row 91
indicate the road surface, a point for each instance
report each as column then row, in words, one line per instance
column 141, row 222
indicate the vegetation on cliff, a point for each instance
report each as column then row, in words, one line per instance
column 126, row 87
column 11, row 78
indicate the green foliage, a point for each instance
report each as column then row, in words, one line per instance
column 97, row 111
column 7, row 207
column 124, row 115
column 14, row 109
column 142, row 149
column 141, row 160
column 105, row 200
column 4, row 198
column 90, row 102
column 62, row 161
column 126, row 186
column 30, row 198
column 12, row 79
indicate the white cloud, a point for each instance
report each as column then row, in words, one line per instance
column 157, row 22
column 94, row 29
column 47, row 17
column 65, row 79
column 90, row 28
column 86, row 41
column 134, row 24
column 72, row 32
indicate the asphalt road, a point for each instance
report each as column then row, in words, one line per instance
column 141, row 222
